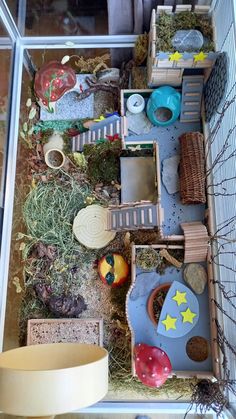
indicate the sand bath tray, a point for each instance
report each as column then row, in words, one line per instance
column 42, row 331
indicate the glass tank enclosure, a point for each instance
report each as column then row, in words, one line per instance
column 5, row 89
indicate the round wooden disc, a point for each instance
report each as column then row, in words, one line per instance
column 90, row 227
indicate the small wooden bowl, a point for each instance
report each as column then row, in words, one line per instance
column 151, row 299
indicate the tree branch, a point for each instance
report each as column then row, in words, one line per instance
column 224, row 312
column 218, row 159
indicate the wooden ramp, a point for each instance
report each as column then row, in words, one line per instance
column 191, row 98
column 133, row 217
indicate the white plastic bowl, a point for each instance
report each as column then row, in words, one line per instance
column 135, row 103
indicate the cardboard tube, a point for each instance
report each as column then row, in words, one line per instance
column 55, row 158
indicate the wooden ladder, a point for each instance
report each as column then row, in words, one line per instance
column 192, row 88
column 107, row 127
column 133, row 217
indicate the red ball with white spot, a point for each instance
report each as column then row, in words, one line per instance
column 152, row 365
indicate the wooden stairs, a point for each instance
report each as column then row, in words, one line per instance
column 110, row 126
column 192, row 89
column 133, row 217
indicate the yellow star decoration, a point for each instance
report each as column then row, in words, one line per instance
column 101, row 118
column 180, row 297
column 176, row 56
column 188, row 316
column 200, row 57
column 169, row 322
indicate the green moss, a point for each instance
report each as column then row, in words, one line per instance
column 79, row 160
column 60, row 126
column 103, row 161
column 168, row 24
column 141, row 49
column 185, row 20
column 148, row 259
column 144, row 152
column 165, row 32
column 139, row 78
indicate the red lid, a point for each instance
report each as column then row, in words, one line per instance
column 52, row 81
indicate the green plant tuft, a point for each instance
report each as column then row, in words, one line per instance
column 103, row 161
column 49, row 211
column 79, row 160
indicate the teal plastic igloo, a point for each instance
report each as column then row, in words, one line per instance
column 163, row 107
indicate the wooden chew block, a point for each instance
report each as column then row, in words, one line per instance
column 196, row 242
column 165, row 254
column 183, row 8
column 201, row 10
column 165, row 9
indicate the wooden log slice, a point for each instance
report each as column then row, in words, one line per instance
column 90, row 227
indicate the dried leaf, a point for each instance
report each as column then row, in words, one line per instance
column 20, row 236
column 22, row 246
column 31, row 130
column 123, row 326
column 51, row 254
column 117, row 186
column 135, row 148
column 99, row 66
column 33, row 183
column 22, row 134
column 16, row 282
column 62, row 270
column 65, row 59
column 127, row 239
column 32, row 113
column 88, row 65
column 25, row 127
column 29, row 103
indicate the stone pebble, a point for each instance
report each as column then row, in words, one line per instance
column 196, row 277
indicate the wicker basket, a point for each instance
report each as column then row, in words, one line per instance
column 192, row 168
